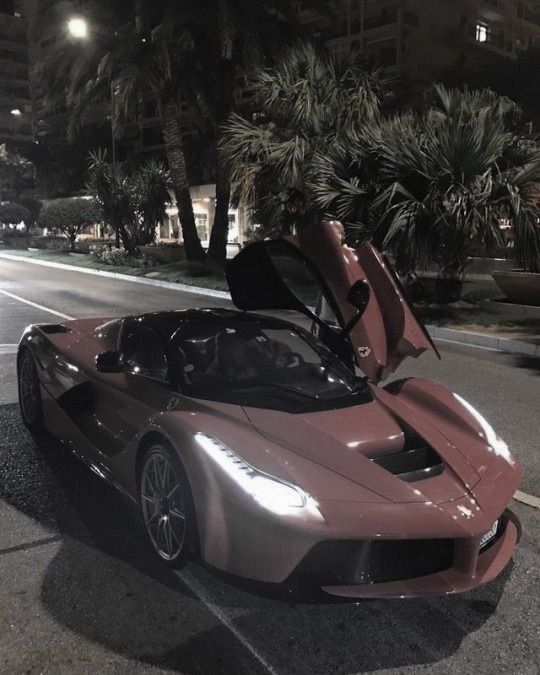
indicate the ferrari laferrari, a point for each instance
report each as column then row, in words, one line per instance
column 269, row 447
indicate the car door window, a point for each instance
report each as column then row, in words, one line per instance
column 143, row 352
column 303, row 281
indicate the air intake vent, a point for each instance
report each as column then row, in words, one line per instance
column 412, row 465
column 52, row 328
column 337, row 563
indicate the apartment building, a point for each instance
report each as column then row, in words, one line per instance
column 15, row 103
column 417, row 39
column 421, row 39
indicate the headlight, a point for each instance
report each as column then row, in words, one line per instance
column 272, row 493
column 496, row 443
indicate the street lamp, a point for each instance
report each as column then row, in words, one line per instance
column 78, row 27
column 16, row 112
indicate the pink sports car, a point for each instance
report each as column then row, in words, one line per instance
column 270, row 450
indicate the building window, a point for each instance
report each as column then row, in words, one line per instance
column 482, row 31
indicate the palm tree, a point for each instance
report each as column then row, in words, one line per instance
column 235, row 39
column 312, row 102
column 151, row 195
column 439, row 181
column 134, row 49
column 16, row 172
column 112, row 189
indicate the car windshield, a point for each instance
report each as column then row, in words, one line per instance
column 261, row 363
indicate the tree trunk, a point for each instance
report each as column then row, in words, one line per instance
column 217, row 248
column 127, row 242
column 448, row 285
column 174, row 144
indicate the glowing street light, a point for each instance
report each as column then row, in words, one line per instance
column 78, row 27
column 16, row 112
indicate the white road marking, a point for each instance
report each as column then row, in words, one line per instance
column 525, row 498
column 199, row 591
column 8, row 349
column 34, row 304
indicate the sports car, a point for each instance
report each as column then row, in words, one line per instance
column 269, row 447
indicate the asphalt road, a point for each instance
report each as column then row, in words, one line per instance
column 80, row 594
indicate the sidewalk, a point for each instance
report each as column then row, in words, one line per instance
column 511, row 342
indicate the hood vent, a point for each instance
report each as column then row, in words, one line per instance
column 412, row 465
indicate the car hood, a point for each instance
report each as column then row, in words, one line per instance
column 347, row 441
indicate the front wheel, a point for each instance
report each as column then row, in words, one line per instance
column 166, row 506
column 30, row 401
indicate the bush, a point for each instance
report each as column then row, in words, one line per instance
column 118, row 257
column 50, row 242
column 13, row 238
column 165, row 244
column 84, row 245
column 12, row 233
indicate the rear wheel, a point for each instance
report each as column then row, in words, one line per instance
column 30, row 401
column 167, row 506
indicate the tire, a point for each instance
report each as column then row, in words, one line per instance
column 30, row 402
column 166, row 506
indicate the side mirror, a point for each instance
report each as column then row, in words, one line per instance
column 359, row 294
column 109, row 362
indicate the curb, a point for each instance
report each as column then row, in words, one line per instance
column 500, row 344
column 126, row 277
column 506, row 345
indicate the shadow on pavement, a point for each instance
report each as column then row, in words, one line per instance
column 527, row 363
column 104, row 585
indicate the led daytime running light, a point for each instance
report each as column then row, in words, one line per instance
column 271, row 493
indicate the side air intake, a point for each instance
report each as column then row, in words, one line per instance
column 52, row 328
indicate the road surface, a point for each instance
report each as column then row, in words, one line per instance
column 80, row 594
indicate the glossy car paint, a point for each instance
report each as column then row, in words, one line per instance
column 108, row 419
column 388, row 332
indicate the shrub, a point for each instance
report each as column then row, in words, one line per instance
column 50, row 242
column 118, row 257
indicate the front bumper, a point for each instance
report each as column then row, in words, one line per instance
column 278, row 551
column 470, row 567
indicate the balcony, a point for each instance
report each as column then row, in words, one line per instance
column 531, row 17
column 382, row 20
column 493, row 9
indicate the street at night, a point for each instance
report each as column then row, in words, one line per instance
column 81, row 593
column 269, row 337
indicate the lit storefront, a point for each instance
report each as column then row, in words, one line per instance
column 203, row 197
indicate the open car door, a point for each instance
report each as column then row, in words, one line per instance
column 313, row 274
